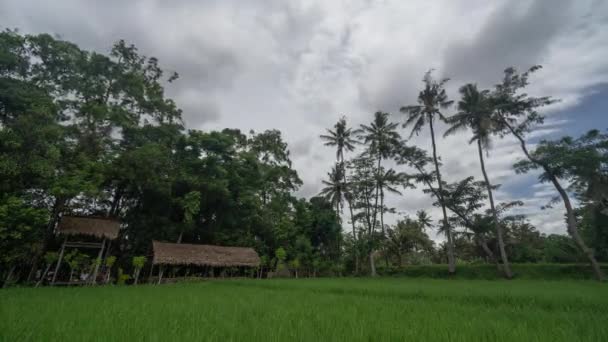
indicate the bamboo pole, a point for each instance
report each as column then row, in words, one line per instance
column 103, row 245
column 59, row 261
column 160, row 273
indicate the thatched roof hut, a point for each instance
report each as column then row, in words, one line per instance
column 101, row 227
column 203, row 255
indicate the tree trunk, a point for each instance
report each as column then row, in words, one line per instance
column 372, row 264
column 352, row 215
column 136, row 276
column 489, row 253
column 571, row 219
column 497, row 225
column 179, row 238
column 448, row 230
column 374, row 220
column 115, row 206
column 382, row 223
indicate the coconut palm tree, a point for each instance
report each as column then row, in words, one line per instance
column 431, row 101
column 343, row 139
column 334, row 188
column 388, row 181
column 381, row 137
column 475, row 112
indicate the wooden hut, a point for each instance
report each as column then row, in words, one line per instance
column 100, row 228
column 174, row 254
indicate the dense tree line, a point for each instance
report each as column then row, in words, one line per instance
column 93, row 134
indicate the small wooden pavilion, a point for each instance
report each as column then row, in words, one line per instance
column 180, row 254
column 99, row 228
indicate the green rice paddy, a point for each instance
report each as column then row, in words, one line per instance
column 347, row 309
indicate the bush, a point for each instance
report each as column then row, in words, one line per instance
column 489, row 271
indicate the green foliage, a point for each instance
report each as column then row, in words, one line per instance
column 110, row 261
column 280, row 254
column 21, row 228
column 138, row 261
column 122, row 278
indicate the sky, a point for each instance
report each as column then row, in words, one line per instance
column 299, row 66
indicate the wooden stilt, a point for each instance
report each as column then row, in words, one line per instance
column 59, row 261
column 151, row 272
column 160, row 273
column 103, row 245
column 105, row 256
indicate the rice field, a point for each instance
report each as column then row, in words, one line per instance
column 348, row 309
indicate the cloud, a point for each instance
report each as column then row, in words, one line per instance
column 298, row 66
column 516, row 34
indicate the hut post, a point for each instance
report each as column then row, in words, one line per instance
column 103, row 245
column 105, row 256
column 151, row 271
column 160, row 273
column 59, row 261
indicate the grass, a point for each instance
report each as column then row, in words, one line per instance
column 345, row 309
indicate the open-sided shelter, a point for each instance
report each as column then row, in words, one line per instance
column 100, row 228
column 174, row 254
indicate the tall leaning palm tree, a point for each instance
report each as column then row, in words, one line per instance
column 475, row 112
column 431, row 101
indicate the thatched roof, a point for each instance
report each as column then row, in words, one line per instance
column 101, row 227
column 203, row 255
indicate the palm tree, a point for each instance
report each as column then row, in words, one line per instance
column 381, row 137
column 475, row 112
column 431, row 100
column 342, row 138
column 387, row 183
column 334, row 189
column 423, row 218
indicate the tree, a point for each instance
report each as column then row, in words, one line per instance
column 21, row 228
column 334, row 189
column 381, row 137
column 517, row 113
column 341, row 137
column 280, row 256
column 295, row 265
column 580, row 162
column 138, row 263
column 475, row 112
column 110, row 260
column 407, row 237
column 431, row 101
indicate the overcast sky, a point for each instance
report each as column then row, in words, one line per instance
column 300, row 65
